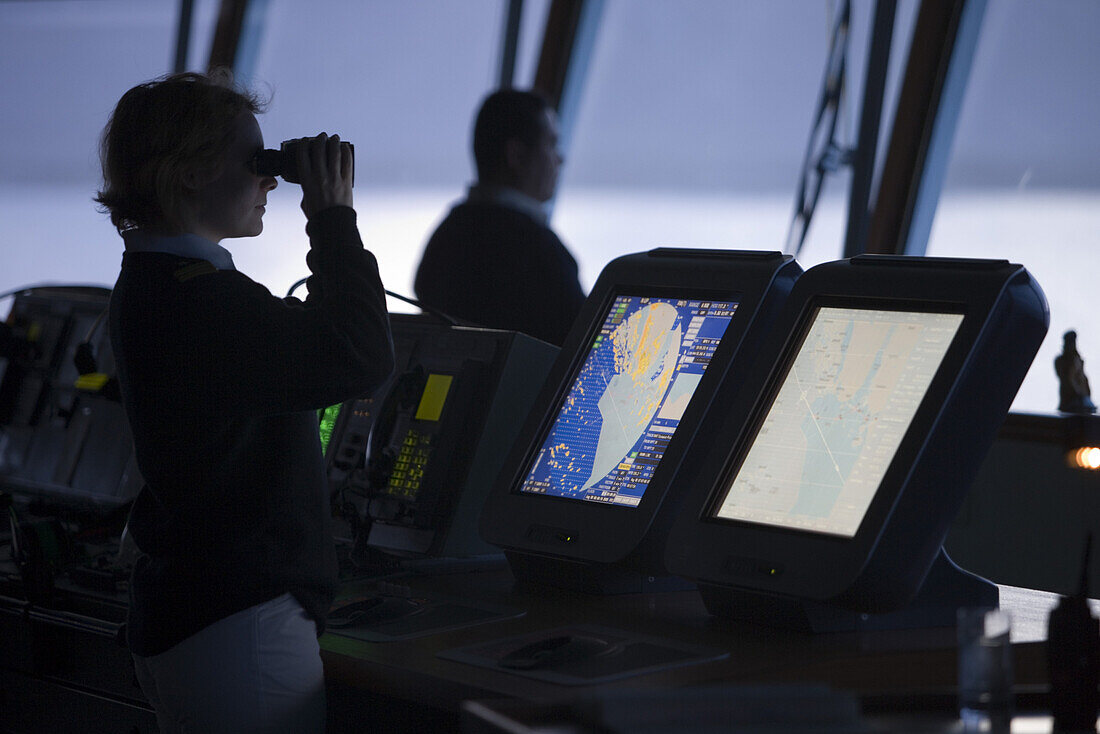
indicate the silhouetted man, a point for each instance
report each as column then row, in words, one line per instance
column 494, row 261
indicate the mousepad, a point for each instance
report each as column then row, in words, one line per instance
column 388, row 618
column 582, row 655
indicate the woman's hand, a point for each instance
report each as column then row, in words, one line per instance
column 325, row 168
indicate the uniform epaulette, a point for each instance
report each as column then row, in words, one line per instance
column 187, row 272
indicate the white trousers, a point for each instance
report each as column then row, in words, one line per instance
column 258, row 670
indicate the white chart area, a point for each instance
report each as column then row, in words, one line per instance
column 838, row 418
column 646, row 350
column 679, row 395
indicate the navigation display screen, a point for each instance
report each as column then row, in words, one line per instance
column 622, row 409
column 841, row 411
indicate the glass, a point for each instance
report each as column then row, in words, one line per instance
column 63, row 66
column 402, row 82
column 1023, row 183
column 693, row 123
column 985, row 669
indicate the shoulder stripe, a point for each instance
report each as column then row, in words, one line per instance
column 195, row 269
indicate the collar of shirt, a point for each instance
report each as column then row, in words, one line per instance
column 183, row 245
column 508, row 197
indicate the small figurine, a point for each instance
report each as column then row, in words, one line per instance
column 1073, row 385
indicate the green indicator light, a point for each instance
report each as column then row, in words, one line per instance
column 327, row 419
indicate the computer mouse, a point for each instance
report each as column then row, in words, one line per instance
column 553, row 652
column 371, row 610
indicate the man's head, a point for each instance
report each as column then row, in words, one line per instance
column 166, row 138
column 516, row 143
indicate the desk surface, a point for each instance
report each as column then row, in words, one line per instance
column 890, row 671
column 888, row 665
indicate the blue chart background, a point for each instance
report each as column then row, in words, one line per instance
column 579, row 421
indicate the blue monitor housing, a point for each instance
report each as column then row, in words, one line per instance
column 582, row 501
column 829, row 479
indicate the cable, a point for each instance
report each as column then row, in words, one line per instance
column 84, row 358
column 294, row 286
column 449, row 320
column 96, row 324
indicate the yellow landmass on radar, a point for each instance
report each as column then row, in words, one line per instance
column 641, row 347
column 650, row 348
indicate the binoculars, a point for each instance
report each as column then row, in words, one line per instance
column 284, row 161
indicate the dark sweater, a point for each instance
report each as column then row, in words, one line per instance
column 497, row 267
column 221, row 382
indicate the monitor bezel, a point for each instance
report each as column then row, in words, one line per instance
column 578, row 362
column 811, row 566
column 893, row 479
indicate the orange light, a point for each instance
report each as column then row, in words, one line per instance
column 1087, row 457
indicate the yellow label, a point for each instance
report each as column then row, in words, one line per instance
column 435, row 394
column 92, row 382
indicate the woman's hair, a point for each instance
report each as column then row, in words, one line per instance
column 161, row 131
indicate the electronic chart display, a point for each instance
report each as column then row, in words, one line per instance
column 842, row 408
column 834, row 465
column 615, row 422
